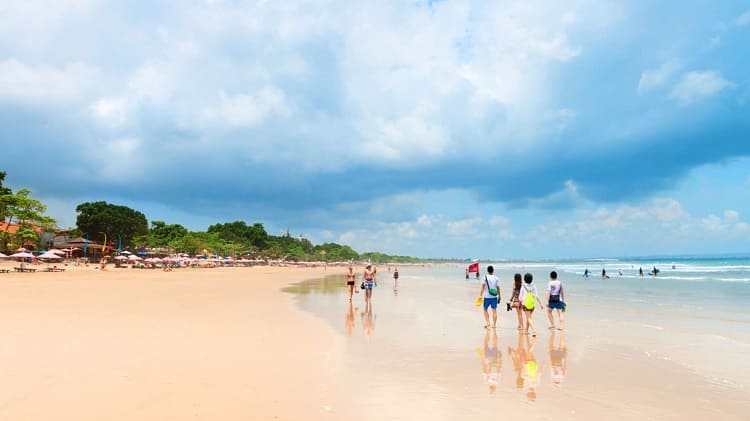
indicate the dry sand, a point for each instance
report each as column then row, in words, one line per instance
column 130, row 344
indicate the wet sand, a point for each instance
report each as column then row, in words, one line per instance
column 130, row 344
column 426, row 341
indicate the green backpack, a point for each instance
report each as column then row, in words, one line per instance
column 528, row 300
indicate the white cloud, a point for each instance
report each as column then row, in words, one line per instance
column 46, row 84
column 743, row 19
column 246, row 110
column 654, row 78
column 698, row 85
column 568, row 196
column 499, row 221
column 111, row 111
column 661, row 221
column 151, row 81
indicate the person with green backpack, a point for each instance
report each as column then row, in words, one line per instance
column 491, row 293
column 529, row 298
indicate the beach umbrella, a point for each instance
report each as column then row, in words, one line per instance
column 56, row 251
column 125, row 252
column 3, row 256
column 49, row 256
column 22, row 254
column 134, row 258
column 121, row 258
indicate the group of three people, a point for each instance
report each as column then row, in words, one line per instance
column 524, row 299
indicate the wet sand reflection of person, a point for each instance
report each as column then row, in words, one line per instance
column 368, row 319
column 525, row 365
column 350, row 318
column 492, row 361
column 558, row 358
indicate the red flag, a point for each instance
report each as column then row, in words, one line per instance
column 474, row 267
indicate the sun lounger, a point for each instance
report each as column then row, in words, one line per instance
column 54, row 269
column 4, row 270
column 19, row 269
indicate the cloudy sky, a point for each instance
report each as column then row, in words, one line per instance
column 432, row 128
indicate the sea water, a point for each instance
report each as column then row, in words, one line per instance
column 638, row 344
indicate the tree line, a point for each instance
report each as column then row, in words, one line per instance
column 122, row 228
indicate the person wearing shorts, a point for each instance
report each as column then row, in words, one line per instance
column 555, row 300
column 369, row 281
column 529, row 288
column 489, row 300
column 351, row 279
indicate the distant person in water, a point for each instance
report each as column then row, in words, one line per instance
column 586, row 273
column 604, row 274
column 351, row 280
column 640, row 271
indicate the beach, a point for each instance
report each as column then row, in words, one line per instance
column 127, row 344
column 285, row 343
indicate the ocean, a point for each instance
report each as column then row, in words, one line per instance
column 635, row 344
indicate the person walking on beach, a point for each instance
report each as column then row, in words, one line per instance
column 395, row 278
column 514, row 302
column 555, row 300
column 529, row 298
column 351, row 279
column 369, row 281
column 490, row 291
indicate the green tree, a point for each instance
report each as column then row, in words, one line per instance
column 28, row 213
column 101, row 218
column 3, row 192
column 239, row 232
column 162, row 234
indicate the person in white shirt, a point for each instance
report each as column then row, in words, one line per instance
column 491, row 284
column 555, row 300
column 529, row 298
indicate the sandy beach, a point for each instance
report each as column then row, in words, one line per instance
column 284, row 343
column 128, row 344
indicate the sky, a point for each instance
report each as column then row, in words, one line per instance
column 460, row 129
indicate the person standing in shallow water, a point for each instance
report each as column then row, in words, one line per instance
column 351, row 280
column 555, row 300
column 514, row 302
column 369, row 281
column 491, row 283
column 529, row 289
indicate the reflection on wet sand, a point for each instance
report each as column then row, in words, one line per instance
column 350, row 309
column 491, row 360
column 558, row 360
column 368, row 319
column 525, row 365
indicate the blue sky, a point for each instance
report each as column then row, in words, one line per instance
column 443, row 129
